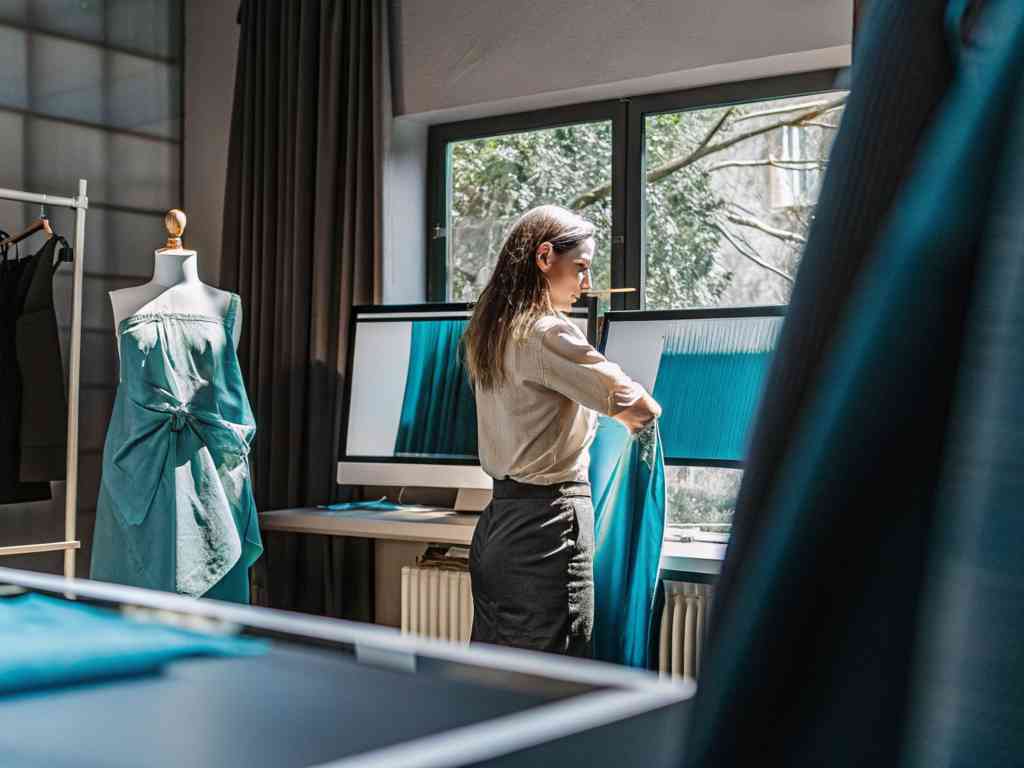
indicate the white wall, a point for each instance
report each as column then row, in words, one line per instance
column 405, row 214
column 467, row 58
column 211, row 52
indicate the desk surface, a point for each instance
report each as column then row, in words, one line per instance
column 338, row 694
column 444, row 526
column 292, row 707
column 440, row 526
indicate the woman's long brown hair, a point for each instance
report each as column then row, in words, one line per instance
column 517, row 294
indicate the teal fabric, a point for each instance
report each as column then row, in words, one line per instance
column 627, row 479
column 439, row 408
column 874, row 616
column 49, row 642
column 710, row 377
column 379, row 505
column 176, row 509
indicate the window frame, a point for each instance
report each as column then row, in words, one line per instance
column 628, row 117
column 439, row 176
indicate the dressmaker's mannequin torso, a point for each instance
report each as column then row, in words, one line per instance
column 175, row 288
column 175, row 509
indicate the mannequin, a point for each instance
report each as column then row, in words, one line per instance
column 175, row 286
column 176, row 510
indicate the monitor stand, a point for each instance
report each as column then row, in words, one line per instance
column 472, row 484
column 472, row 500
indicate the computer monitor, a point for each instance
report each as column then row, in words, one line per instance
column 706, row 367
column 410, row 417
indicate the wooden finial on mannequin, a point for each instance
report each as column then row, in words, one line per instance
column 174, row 221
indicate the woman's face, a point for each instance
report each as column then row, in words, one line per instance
column 568, row 273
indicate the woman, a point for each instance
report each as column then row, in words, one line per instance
column 538, row 384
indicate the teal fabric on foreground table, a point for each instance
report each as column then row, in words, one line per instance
column 49, row 642
column 176, row 510
column 627, row 479
column 439, row 408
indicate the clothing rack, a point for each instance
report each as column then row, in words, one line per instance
column 71, row 544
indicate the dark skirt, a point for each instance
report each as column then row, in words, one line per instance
column 532, row 566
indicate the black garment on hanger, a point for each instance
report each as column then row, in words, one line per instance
column 33, row 414
column 15, row 277
column 44, row 420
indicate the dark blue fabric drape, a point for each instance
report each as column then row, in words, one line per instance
column 872, row 602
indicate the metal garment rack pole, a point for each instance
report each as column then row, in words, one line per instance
column 80, row 204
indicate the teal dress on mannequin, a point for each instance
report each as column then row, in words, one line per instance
column 176, row 510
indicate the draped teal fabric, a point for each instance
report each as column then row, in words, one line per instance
column 710, row 378
column 49, row 642
column 875, row 614
column 176, row 510
column 439, row 408
column 627, row 478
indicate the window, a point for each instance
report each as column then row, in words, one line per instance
column 728, row 198
column 796, row 172
column 729, row 195
column 700, row 502
column 494, row 179
column 702, row 198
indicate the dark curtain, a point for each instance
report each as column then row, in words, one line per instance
column 872, row 602
column 302, row 244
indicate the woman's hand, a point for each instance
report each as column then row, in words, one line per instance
column 639, row 414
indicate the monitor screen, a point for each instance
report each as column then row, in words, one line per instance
column 410, row 399
column 706, row 367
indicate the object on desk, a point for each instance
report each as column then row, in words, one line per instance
column 49, row 642
column 379, row 505
column 627, row 477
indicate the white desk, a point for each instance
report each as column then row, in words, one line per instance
column 438, row 526
column 444, row 526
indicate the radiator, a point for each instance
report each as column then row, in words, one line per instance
column 684, row 625
column 437, row 603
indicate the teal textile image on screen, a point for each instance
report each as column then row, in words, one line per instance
column 709, row 381
column 439, row 408
column 409, row 399
column 706, row 368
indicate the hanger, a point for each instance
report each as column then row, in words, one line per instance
column 42, row 223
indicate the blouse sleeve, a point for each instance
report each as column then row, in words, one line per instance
column 572, row 367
